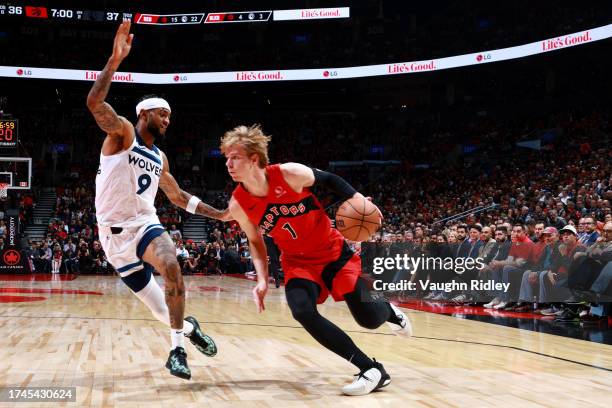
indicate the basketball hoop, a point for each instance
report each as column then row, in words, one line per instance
column 4, row 191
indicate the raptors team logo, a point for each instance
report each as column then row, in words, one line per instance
column 287, row 210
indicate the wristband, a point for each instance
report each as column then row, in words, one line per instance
column 192, row 205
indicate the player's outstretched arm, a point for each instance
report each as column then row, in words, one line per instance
column 186, row 201
column 105, row 115
column 259, row 253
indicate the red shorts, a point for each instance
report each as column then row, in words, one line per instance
column 335, row 270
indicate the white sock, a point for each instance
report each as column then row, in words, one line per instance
column 178, row 338
column 187, row 327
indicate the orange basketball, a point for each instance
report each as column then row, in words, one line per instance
column 357, row 219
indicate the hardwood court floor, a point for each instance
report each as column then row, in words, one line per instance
column 106, row 344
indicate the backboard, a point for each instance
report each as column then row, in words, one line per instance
column 16, row 172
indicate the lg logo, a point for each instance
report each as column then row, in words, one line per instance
column 24, row 72
column 483, row 57
column 180, row 78
column 328, row 74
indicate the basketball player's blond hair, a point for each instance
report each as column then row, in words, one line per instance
column 252, row 139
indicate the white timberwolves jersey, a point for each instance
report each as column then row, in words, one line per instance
column 126, row 186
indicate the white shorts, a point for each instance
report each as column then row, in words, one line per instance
column 124, row 249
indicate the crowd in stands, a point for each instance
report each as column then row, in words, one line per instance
column 537, row 267
column 564, row 180
column 80, row 251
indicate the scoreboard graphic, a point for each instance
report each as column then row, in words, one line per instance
column 260, row 16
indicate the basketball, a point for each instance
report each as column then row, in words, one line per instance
column 358, row 219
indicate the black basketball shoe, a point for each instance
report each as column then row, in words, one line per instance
column 204, row 343
column 177, row 363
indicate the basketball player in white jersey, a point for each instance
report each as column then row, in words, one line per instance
column 131, row 169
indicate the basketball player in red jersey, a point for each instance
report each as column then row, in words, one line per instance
column 317, row 261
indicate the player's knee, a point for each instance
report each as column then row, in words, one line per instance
column 303, row 313
column 370, row 322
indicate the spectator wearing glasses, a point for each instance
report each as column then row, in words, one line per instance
column 589, row 234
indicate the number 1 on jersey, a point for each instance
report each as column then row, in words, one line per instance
column 289, row 228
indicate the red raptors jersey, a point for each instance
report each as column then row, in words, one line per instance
column 296, row 221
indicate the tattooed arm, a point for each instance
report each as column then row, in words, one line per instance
column 180, row 198
column 105, row 115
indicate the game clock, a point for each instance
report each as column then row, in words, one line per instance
column 9, row 133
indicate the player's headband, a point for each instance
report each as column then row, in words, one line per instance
column 152, row 103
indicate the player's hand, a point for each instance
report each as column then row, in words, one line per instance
column 377, row 209
column 259, row 293
column 123, row 42
column 359, row 195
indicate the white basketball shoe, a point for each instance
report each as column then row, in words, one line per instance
column 368, row 381
column 404, row 328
